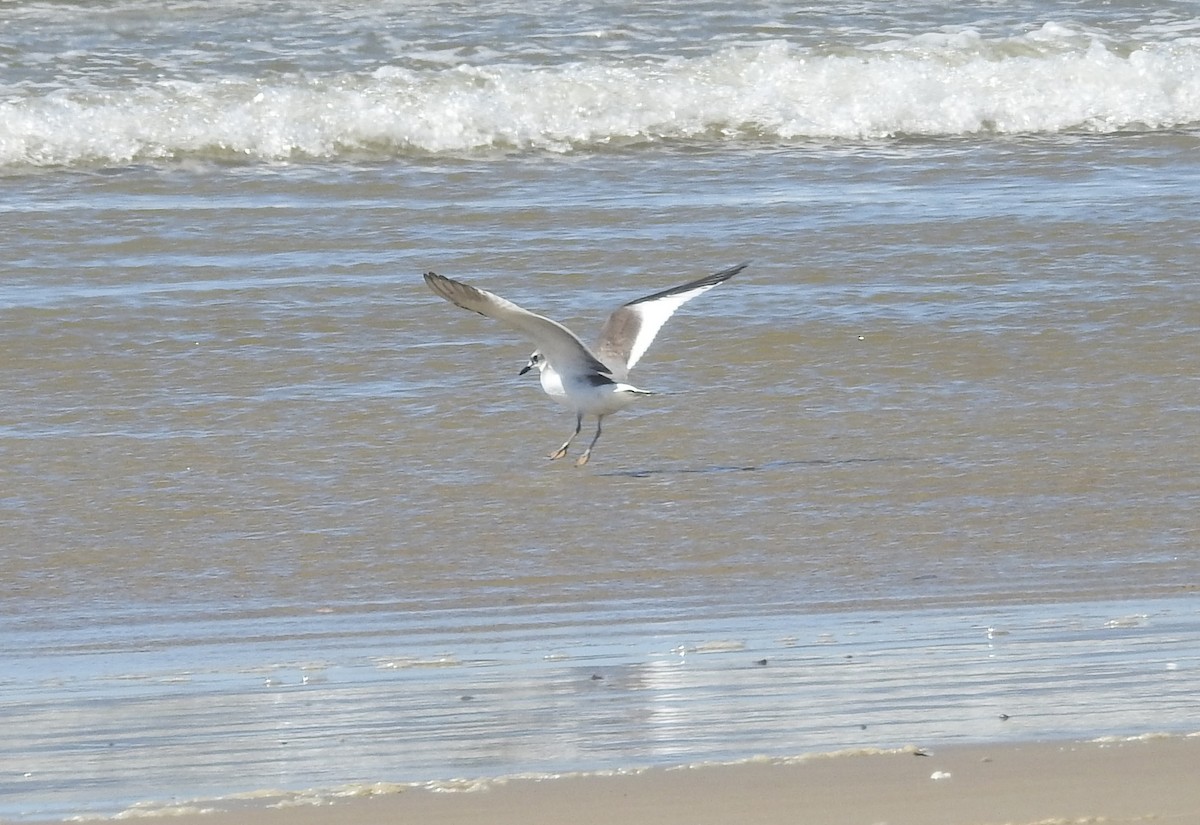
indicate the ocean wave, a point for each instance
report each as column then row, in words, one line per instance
column 1052, row 80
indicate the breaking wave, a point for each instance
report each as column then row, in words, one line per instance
column 1052, row 80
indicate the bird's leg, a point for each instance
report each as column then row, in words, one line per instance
column 583, row 459
column 561, row 451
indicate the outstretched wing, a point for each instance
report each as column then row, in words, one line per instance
column 629, row 331
column 565, row 352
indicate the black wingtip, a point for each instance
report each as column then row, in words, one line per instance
column 437, row 283
column 715, row 278
column 726, row 274
column 707, row 280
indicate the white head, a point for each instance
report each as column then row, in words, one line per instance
column 536, row 360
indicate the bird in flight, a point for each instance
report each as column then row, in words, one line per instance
column 590, row 382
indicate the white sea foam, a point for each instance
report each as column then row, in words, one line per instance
column 1051, row 80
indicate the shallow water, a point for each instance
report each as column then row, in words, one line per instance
column 327, row 701
column 276, row 516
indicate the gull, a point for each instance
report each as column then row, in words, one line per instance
column 590, row 382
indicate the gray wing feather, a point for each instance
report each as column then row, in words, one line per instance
column 562, row 348
column 629, row 331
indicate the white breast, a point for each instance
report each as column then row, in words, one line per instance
column 552, row 385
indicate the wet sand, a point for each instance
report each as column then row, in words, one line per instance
column 277, row 516
column 1148, row 779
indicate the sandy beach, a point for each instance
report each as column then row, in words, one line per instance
column 1148, row 779
column 281, row 542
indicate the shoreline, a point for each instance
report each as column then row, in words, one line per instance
column 1148, row 778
